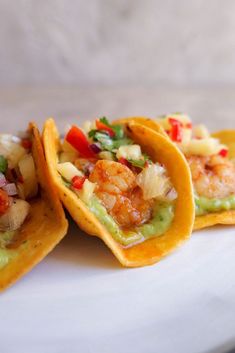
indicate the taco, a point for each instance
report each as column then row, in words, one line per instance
column 212, row 170
column 121, row 182
column 32, row 219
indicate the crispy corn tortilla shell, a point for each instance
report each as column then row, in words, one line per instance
column 211, row 219
column 45, row 226
column 142, row 120
column 160, row 149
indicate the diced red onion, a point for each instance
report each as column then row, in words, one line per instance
column 2, row 180
column 95, row 148
column 10, row 189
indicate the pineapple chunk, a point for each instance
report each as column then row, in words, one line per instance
column 67, row 170
column 129, row 152
column 88, row 126
column 200, row 132
column 204, row 147
column 153, row 182
column 106, row 155
column 87, row 191
column 186, row 135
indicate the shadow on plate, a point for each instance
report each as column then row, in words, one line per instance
column 81, row 249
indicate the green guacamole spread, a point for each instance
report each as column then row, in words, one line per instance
column 205, row 205
column 162, row 217
column 6, row 254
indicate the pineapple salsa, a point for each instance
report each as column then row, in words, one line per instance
column 213, row 174
column 128, row 193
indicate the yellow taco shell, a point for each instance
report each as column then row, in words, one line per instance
column 161, row 150
column 45, row 226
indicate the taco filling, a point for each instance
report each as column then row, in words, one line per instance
column 131, row 195
column 213, row 174
column 18, row 184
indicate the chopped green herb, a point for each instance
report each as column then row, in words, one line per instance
column 137, row 163
column 119, row 131
column 92, row 133
column 104, row 120
column 140, row 163
column 122, row 142
column 3, row 164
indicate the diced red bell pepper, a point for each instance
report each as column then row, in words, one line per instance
column 176, row 133
column 77, row 182
column 223, row 152
column 78, row 140
column 4, row 202
column 124, row 161
column 102, row 126
column 26, row 143
column 189, row 125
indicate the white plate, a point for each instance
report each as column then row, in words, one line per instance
column 80, row 300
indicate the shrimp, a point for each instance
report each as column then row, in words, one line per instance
column 213, row 176
column 119, row 193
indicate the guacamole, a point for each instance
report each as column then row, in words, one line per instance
column 205, row 205
column 162, row 217
column 6, row 254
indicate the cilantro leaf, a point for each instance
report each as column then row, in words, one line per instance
column 3, row 164
column 122, row 142
column 119, row 131
column 92, row 133
column 104, row 120
column 140, row 163
column 137, row 163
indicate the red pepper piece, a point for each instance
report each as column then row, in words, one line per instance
column 176, row 132
column 78, row 181
column 102, row 126
column 4, row 202
column 223, row 152
column 78, row 140
column 124, row 161
column 26, row 143
column 189, row 125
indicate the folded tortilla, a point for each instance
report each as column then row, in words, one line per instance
column 45, row 226
column 159, row 149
